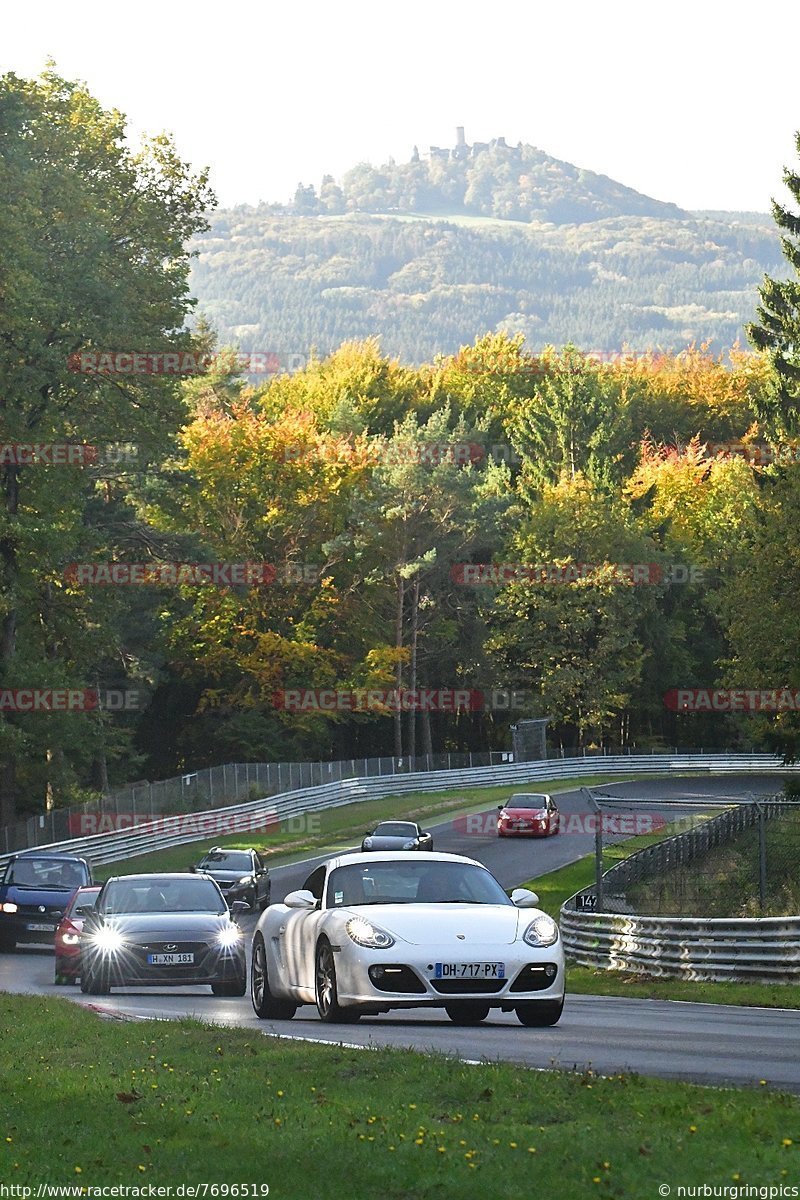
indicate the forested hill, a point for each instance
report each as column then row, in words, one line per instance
column 431, row 253
column 519, row 183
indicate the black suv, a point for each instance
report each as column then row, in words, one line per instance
column 240, row 874
column 35, row 887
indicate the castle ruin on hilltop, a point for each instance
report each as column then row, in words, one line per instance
column 463, row 150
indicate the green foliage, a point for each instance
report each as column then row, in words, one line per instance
column 777, row 328
column 94, row 259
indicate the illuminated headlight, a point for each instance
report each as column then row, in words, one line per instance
column 108, row 940
column 230, row 937
column 541, row 932
column 70, row 939
column 364, row 933
column 8, row 906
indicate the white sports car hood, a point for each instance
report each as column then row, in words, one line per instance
column 440, row 924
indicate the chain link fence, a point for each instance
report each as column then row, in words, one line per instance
column 235, row 783
column 218, row 787
column 696, row 858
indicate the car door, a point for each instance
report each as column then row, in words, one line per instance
column 298, row 937
column 261, row 876
column 424, row 840
column 555, row 816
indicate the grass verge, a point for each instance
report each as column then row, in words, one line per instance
column 332, row 828
column 177, row 1103
column 557, row 886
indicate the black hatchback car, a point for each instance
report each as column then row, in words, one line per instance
column 240, row 874
column 35, row 888
column 163, row 931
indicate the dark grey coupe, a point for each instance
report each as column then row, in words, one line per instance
column 397, row 835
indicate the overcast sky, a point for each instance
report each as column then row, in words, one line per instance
column 691, row 102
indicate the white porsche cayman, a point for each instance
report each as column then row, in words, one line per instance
column 372, row 932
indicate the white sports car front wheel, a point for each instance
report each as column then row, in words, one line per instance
column 328, row 1005
column 265, row 1004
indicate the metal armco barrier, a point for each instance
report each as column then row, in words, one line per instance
column 765, row 949
column 159, row 834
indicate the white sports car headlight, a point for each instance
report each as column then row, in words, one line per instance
column 541, row 932
column 364, row 933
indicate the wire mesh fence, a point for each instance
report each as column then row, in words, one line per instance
column 235, row 783
column 697, row 858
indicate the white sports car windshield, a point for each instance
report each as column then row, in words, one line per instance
column 412, row 883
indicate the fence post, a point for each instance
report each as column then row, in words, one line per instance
column 598, row 850
column 762, row 859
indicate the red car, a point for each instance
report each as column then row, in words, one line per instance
column 68, row 934
column 528, row 814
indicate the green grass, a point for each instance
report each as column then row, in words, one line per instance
column 557, row 886
column 335, row 828
column 92, row 1102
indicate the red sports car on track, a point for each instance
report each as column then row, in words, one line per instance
column 528, row 814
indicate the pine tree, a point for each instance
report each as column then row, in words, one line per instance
column 778, row 327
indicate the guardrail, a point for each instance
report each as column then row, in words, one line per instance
column 159, row 834
column 759, row 949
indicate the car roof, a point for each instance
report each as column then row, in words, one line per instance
column 228, row 850
column 155, row 876
column 400, row 856
column 50, row 854
column 525, row 795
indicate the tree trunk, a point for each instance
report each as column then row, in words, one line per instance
column 8, row 641
column 398, row 715
column 412, row 712
column 427, row 739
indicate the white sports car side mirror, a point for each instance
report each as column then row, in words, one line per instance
column 300, row 899
column 524, row 898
